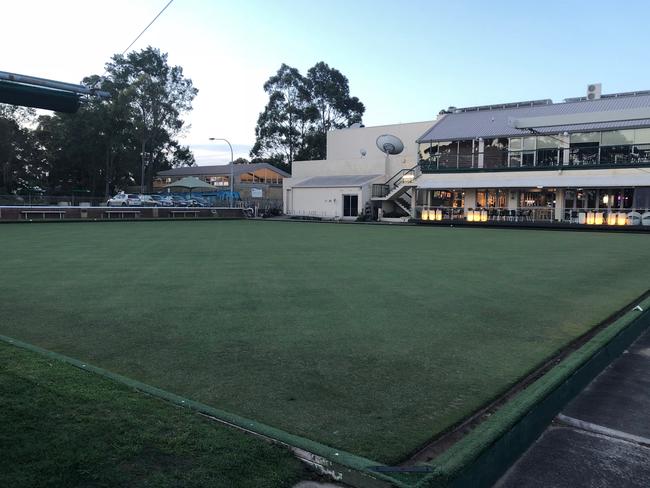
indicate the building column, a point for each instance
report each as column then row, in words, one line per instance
column 481, row 148
column 559, row 204
column 513, row 199
column 470, row 199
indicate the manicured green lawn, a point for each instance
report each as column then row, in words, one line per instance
column 370, row 339
column 62, row 427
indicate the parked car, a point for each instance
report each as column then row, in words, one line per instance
column 197, row 202
column 124, row 200
column 149, row 201
column 162, row 200
column 178, row 201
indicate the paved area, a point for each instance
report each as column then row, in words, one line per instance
column 602, row 438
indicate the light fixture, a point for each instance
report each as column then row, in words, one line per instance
column 590, row 218
column 484, row 216
column 470, row 215
column 599, row 218
column 605, row 199
column 438, row 214
column 611, row 218
column 425, row 215
column 622, row 218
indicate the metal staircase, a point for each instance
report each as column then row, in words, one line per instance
column 399, row 189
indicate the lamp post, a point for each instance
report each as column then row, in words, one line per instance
column 232, row 163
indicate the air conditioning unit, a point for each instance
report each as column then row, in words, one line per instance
column 593, row 91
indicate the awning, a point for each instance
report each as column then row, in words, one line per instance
column 337, row 181
column 573, row 178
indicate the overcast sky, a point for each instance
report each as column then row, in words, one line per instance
column 405, row 60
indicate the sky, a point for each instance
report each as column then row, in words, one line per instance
column 405, row 60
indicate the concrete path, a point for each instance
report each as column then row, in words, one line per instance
column 602, row 438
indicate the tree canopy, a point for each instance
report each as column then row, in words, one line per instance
column 300, row 112
column 104, row 145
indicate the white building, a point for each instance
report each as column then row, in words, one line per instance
column 584, row 160
column 341, row 185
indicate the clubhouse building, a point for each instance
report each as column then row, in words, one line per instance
column 585, row 160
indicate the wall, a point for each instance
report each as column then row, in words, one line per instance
column 322, row 202
column 346, row 144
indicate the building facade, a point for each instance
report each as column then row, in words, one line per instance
column 251, row 181
column 571, row 161
column 582, row 160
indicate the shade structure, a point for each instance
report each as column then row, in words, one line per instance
column 190, row 183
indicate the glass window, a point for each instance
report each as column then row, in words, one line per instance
column 628, row 197
column 641, row 154
column 592, row 198
column 515, row 159
column 586, row 137
column 642, row 136
column 515, row 144
column 583, row 153
column 529, row 142
column 466, row 153
column 548, row 157
column 616, row 154
column 618, row 137
column 495, row 153
column 448, row 152
column 544, row 142
column 528, row 158
column 569, row 199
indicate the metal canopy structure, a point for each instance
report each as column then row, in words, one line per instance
column 30, row 91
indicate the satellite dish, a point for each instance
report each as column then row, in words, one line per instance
column 390, row 144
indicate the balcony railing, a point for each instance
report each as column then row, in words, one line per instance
column 548, row 158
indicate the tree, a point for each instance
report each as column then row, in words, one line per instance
column 330, row 95
column 300, row 111
column 22, row 163
column 158, row 94
column 104, row 145
column 282, row 124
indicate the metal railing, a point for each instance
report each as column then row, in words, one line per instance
column 584, row 156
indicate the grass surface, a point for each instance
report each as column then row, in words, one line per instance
column 63, row 427
column 371, row 339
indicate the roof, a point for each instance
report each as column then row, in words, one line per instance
column 223, row 169
column 190, row 182
column 336, row 181
column 493, row 122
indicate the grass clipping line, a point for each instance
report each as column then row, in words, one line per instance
column 450, row 463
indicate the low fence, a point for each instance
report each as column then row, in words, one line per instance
column 55, row 212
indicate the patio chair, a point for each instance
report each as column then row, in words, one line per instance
column 645, row 218
column 634, row 218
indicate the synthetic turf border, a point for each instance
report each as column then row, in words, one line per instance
column 480, row 457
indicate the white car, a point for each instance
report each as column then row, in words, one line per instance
column 149, row 201
column 124, row 200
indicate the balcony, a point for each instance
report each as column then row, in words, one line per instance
column 578, row 156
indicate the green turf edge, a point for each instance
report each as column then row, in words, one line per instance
column 450, row 468
column 533, row 408
column 338, row 464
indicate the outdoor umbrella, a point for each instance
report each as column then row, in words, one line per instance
column 191, row 183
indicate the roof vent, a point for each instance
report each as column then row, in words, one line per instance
column 593, row 91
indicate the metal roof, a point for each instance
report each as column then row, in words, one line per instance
column 336, row 181
column 221, row 170
column 494, row 122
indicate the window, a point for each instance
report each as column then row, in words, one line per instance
column 495, row 153
column 350, row 205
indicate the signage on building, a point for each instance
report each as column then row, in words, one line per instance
column 256, row 192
